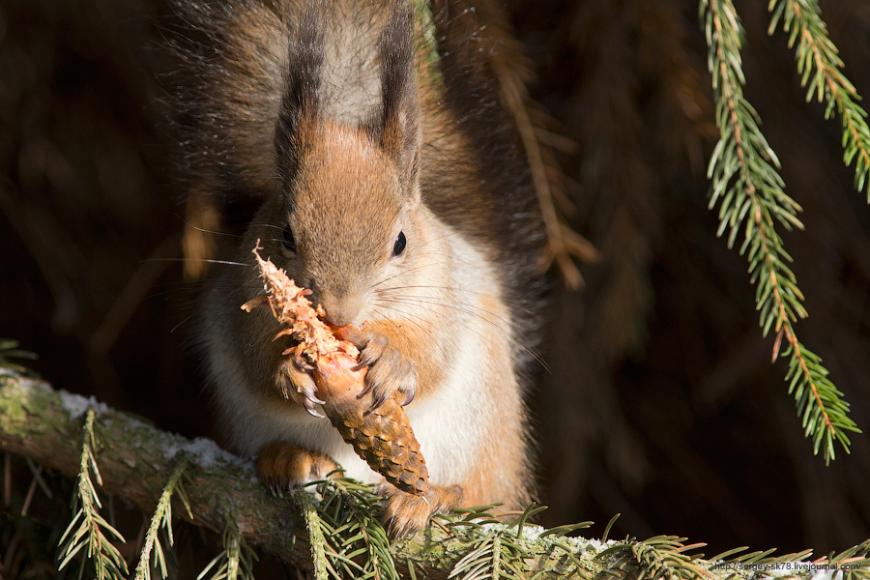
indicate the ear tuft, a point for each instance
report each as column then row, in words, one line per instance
column 397, row 127
column 300, row 101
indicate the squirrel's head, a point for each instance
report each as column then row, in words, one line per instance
column 346, row 217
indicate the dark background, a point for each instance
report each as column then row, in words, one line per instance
column 660, row 402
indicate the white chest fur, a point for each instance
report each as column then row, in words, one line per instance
column 449, row 422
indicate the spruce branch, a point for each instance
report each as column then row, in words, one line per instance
column 492, row 555
column 92, row 528
column 511, row 69
column 315, row 536
column 345, row 531
column 820, row 66
column 658, row 558
column 852, row 560
column 9, row 350
column 236, row 560
column 745, row 182
column 44, row 425
column 162, row 519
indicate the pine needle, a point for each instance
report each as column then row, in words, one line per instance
column 345, row 530
column 162, row 519
column 92, row 528
column 315, row 534
column 820, row 67
column 9, row 350
column 236, row 560
column 658, row 558
column 745, row 182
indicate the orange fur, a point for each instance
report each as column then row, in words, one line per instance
column 408, row 513
column 332, row 173
column 281, row 465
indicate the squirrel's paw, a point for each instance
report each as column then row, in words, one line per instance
column 390, row 371
column 407, row 514
column 284, row 466
column 297, row 385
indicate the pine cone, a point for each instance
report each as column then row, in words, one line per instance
column 383, row 436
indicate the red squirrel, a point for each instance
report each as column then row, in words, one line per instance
column 365, row 144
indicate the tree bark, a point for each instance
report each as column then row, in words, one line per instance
column 136, row 460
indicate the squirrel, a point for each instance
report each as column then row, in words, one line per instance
column 365, row 144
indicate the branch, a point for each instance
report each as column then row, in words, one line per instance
column 136, row 461
column 817, row 57
column 223, row 493
column 750, row 191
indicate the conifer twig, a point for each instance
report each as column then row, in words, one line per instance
column 819, row 64
column 162, row 519
column 563, row 243
column 107, row 560
column 743, row 172
column 236, row 560
column 315, row 535
column 35, row 422
column 9, row 350
column 345, row 532
column 658, row 558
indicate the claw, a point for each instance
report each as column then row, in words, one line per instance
column 314, row 399
column 300, row 362
column 388, row 372
column 369, row 385
column 367, row 358
column 379, row 400
column 312, row 409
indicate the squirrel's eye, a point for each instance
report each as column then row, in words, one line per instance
column 289, row 240
column 400, row 244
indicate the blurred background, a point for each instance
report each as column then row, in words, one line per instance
column 660, row 402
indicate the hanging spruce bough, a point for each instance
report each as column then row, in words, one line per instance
column 817, row 57
column 751, row 197
column 92, row 528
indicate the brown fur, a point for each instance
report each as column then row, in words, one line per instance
column 327, row 133
column 282, row 464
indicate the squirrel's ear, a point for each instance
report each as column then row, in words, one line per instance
column 297, row 116
column 397, row 126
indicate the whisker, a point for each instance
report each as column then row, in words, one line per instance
column 207, row 261
column 177, row 326
column 206, row 230
column 405, row 316
column 476, row 312
column 382, row 291
column 408, row 317
column 461, row 323
column 432, row 301
column 406, row 271
column 431, row 287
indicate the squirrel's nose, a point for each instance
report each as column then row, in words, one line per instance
column 340, row 311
